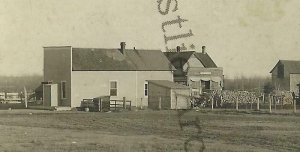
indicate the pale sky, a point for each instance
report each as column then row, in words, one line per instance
column 243, row 36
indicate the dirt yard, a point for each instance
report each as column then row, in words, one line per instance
column 150, row 131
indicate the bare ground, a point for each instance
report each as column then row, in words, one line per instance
column 36, row 130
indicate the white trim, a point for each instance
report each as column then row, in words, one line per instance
column 71, row 77
column 136, row 88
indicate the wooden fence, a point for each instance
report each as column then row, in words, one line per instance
column 100, row 105
column 250, row 100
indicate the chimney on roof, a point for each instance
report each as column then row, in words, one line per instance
column 178, row 49
column 122, row 49
column 203, row 49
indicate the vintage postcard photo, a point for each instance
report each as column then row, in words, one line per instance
column 149, row 75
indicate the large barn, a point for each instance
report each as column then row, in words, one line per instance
column 73, row 74
column 286, row 75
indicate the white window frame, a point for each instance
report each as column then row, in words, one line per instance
column 117, row 84
column 63, row 92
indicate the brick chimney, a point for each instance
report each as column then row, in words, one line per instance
column 122, row 49
column 203, row 49
column 178, row 49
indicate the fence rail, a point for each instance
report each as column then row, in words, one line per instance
column 98, row 105
column 246, row 100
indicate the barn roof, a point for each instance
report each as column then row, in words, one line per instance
column 98, row 59
column 168, row 84
column 292, row 66
column 204, row 58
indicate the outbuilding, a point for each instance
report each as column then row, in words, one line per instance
column 164, row 94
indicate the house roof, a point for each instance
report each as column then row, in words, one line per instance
column 179, row 55
column 204, row 58
column 292, row 66
column 168, row 84
column 98, row 59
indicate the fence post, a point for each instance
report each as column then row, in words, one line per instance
column 25, row 96
column 212, row 103
column 270, row 103
column 99, row 105
column 237, row 103
column 124, row 102
column 176, row 102
column 295, row 106
column 257, row 103
column 141, row 103
column 263, row 97
column 159, row 103
column 275, row 104
column 221, row 101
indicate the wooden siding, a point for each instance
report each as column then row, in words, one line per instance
column 155, row 94
column 182, row 101
column 281, row 83
column 294, row 80
column 91, row 84
column 171, row 98
column 57, row 68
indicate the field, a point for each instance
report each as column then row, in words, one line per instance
column 37, row 130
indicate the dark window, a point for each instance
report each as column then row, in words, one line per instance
column 205, row 84
column 146, row 89
column 63, row 90
column 113, row 88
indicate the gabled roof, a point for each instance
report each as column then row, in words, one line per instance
column 292, row 66
column 176, row 55
column 204, row 58
column 98, row 59
column 168, row 84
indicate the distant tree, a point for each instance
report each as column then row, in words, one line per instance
column 244, row 83
column 17, row 83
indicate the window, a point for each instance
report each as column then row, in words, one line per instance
column 113, row 88
column 146, row 89
column 63, row 89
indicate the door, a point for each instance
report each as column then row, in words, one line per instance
column 50, row 95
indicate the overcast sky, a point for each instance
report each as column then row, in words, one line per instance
column 245, row 37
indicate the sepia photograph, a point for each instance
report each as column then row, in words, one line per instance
column 149, row 76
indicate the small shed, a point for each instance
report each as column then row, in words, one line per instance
column 164, row 94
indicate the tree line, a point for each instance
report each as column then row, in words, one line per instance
column 17, row 83
column 243, row 83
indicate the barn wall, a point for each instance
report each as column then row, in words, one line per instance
column 155, row 93
column 57, row 68
column 280, row 83
column 294, row 80
column 91, row 84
